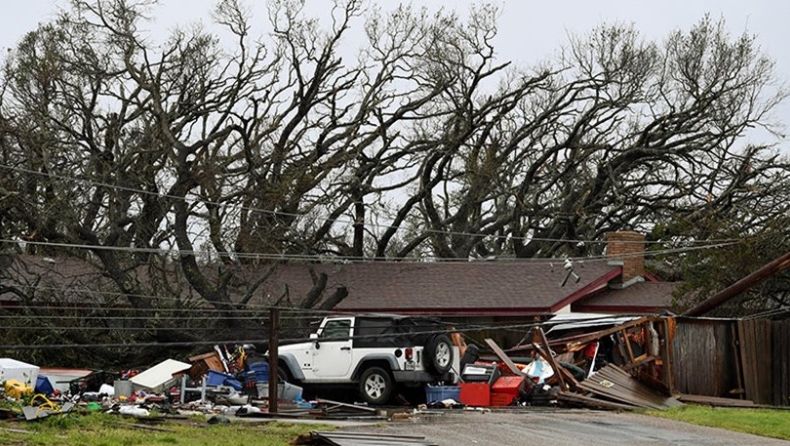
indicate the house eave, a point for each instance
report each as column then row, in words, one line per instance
column 588, row 290
column 451, row 312
column 617, row 309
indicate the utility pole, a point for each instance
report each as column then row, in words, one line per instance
column 274, row 340
column 771, row 269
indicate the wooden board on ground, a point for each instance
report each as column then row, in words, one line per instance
column 716, row 401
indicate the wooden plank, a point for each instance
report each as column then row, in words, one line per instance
column 648, row 341
column 715, row 401
column 744, row 344
column 544, row 344
column 639, row 362
column 627, row 343
column 666, row 357
column 766, row 362
column 736, row 352
column 565, row 377
column 554, row 366
column 580, row 342
column 503, row 357
column 785, row 341
column 777, row 365
column 756, row 356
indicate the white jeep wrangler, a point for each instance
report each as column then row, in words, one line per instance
column 375, row 353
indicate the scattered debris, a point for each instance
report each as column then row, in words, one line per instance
column 617, row 385
column 159, row 377
column 360, row 439
column 335, row 410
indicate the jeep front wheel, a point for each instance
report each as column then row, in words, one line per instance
column 375, row 386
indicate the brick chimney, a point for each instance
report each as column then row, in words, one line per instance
column 627, row 248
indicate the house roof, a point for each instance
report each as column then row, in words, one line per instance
column 468, row 288
column 512, row 288
column 640, row 297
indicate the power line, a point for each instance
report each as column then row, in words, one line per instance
column 348, row 221
column 73, row 328
column 525, row 326
column 129, row 318
column 346, row 259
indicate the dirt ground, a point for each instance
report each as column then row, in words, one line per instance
column 560, row 428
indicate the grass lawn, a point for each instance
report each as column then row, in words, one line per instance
column 763, row 422
column 110, row 430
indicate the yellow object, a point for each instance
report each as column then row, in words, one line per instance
column 15, row 389
column 45, row 405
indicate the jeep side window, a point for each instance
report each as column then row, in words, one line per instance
column 337, row 330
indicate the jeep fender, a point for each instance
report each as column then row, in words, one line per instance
column 362, row 365
column 293, row 365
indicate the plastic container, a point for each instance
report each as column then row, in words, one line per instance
column 261, row 370
column 285, row 391
column 475, row 394
column 487, row 373
column 214, row 378
column 441, row 393
column 233, row 382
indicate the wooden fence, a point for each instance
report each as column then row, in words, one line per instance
column 734, row 359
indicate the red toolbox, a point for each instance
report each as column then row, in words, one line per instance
column 475, row 394
column 506, row 390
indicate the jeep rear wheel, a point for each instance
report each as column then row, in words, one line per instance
column 439, row 354
column 375, row 386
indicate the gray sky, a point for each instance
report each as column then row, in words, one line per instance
column 529, row 30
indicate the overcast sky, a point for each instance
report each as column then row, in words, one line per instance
column 529, row 30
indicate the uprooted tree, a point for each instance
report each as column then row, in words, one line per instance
column 177, row 168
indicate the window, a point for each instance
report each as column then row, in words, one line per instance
column 337, row 330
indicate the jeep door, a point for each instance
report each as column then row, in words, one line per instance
column 332, row 351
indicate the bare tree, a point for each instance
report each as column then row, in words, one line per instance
column 183, row 164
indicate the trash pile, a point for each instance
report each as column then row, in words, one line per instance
column 618, row 363
column 217, row 382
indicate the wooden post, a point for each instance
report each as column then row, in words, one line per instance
column 274, row 339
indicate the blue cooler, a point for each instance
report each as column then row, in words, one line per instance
column 261, row 371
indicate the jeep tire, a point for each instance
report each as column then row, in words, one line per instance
column 284, row 374
column 375, row 386
column 438, row 354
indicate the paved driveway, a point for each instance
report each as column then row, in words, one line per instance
column 561, row 428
